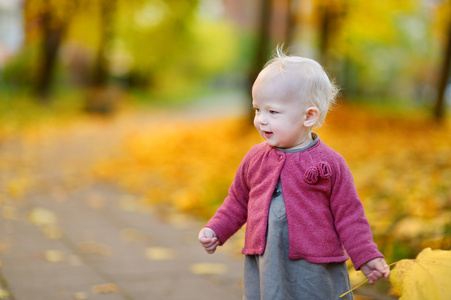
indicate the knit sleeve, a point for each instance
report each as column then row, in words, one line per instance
column 232, row 214
column 350, row 221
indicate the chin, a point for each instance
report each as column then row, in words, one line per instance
column 275, row 145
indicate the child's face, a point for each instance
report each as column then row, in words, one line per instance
column 280, row 114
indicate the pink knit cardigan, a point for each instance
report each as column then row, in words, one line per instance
column 324, row 213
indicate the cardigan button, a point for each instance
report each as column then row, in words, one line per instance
column 280, row 158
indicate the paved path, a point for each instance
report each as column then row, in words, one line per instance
column 64, row 235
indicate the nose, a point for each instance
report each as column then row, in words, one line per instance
column 261, row 119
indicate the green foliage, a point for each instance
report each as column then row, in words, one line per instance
column 379, row 48
column 158, row 45
column 387, row 48
column 17, row 74
column 19, row 111
column 170, row 46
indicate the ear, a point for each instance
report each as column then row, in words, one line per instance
column 311, row 116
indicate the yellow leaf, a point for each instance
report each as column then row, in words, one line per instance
column 79, row 296
column 95, row 248
column 157, row 253
column 129, row 203
column 3, row 294
column 131, row 235
column 208, row 268
column 96, row 202
column 52, row 232
column 411, row 227
column 5, row 248
column 54, row 256
column 42, row 217
column 105, row 288
column 426, row 277
column 17, row 188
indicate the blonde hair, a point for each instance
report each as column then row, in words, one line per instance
column 311, row 81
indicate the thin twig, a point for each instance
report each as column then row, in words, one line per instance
column 362, row 283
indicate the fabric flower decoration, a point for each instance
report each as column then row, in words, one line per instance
column 311, row 175
column 322, row 170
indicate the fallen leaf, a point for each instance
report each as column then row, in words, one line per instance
column 157, row 253
column 80, row 296
column 42, row 217
column 96, row 202
column 131, row 235
column 3, row 293
column 54, row 256
column 95, row 248
column 412, row 227
column 17, row 187
column 129, row 203
column 356, row 277
column 5, row 248
column 426, row 277
column 208, row 269
column 179, row 221
column 105, row 288
column 52, row 232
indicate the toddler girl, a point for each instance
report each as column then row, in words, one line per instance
column 296, row 194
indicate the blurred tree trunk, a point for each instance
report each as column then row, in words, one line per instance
column 262, row 49
column 332, row 14
column 325, row 21
column 262, row 46
column 290, row 22
column 52, row 35
column 107, row 11
column 329, row 25
column 439, row 108
column 100, row 98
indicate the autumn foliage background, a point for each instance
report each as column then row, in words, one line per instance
column 72, row 64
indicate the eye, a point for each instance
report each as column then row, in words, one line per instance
column 256, row 109
column 273, row 112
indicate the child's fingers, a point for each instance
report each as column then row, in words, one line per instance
column 207, row 242
column 211, row 249
column 205, row 239
column 385, row 271
column 383, row 268
column 375, row 276
column 372, row 278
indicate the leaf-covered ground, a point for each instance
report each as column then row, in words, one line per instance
column 401, row 164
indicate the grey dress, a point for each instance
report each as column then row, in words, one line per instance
column 273, row 276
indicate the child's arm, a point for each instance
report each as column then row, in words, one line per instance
column 209, row 239
column 375, row 269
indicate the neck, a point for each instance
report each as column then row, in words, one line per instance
column 304, row 143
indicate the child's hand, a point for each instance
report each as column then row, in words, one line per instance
column 209, row 239
column 375, row 269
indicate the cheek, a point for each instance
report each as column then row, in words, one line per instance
column 256, row 122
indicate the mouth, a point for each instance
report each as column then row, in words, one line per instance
column 267, row 134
